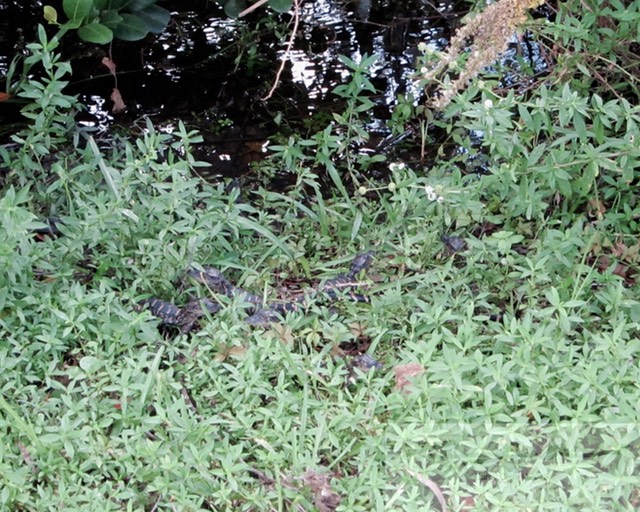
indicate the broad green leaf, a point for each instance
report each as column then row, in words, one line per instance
column 155, row 17
column 280, row 5
column 139, row 5
column 131, row 28
column 95, row 33
column 114, row 5
column 71, row 25
column 234, row 7
column 50, row 15
column 90, row 364
column 110, row 19
column 77, row 9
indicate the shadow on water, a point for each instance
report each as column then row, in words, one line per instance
column 211, row 71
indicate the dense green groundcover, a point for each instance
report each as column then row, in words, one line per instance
column 522, row 347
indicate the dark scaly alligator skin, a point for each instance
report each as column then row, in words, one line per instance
column 217, row 283
column 332, row 288
column 365, row 362
column 453, row 244
column 186, row 317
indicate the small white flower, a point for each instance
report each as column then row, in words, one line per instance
column 431, row 193
column 488, row 104
column 395, row 166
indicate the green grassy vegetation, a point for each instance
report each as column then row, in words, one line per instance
column 510, row 368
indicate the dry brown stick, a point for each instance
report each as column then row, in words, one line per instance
column 27, row 458
column 435, row 489
column 296, row 20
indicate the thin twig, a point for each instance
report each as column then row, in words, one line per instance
column 252, row 8
column 296, row 20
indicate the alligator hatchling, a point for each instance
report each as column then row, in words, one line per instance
column 186, row 317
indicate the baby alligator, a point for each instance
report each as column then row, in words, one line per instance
column 332, row 288
column 186, row 317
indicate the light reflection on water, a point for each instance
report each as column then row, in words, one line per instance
column 191, row 48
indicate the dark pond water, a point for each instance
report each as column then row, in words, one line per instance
column 211, row 71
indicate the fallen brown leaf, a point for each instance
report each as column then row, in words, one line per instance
column 619, row 250
column 110, row 65
column 27, row 458
column 315, row 481
column 284, row 332
column 596, row 208
column 620, row 270
column 405, row 372
column 226, row 351
column 468, row 503
column 325, row 499
column 118, row 103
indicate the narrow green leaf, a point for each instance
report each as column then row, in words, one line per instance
column 357, row 222
column 19, row 423
column 337, row 180
column 106, row 171
column 153, row 371
column 261, row 230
